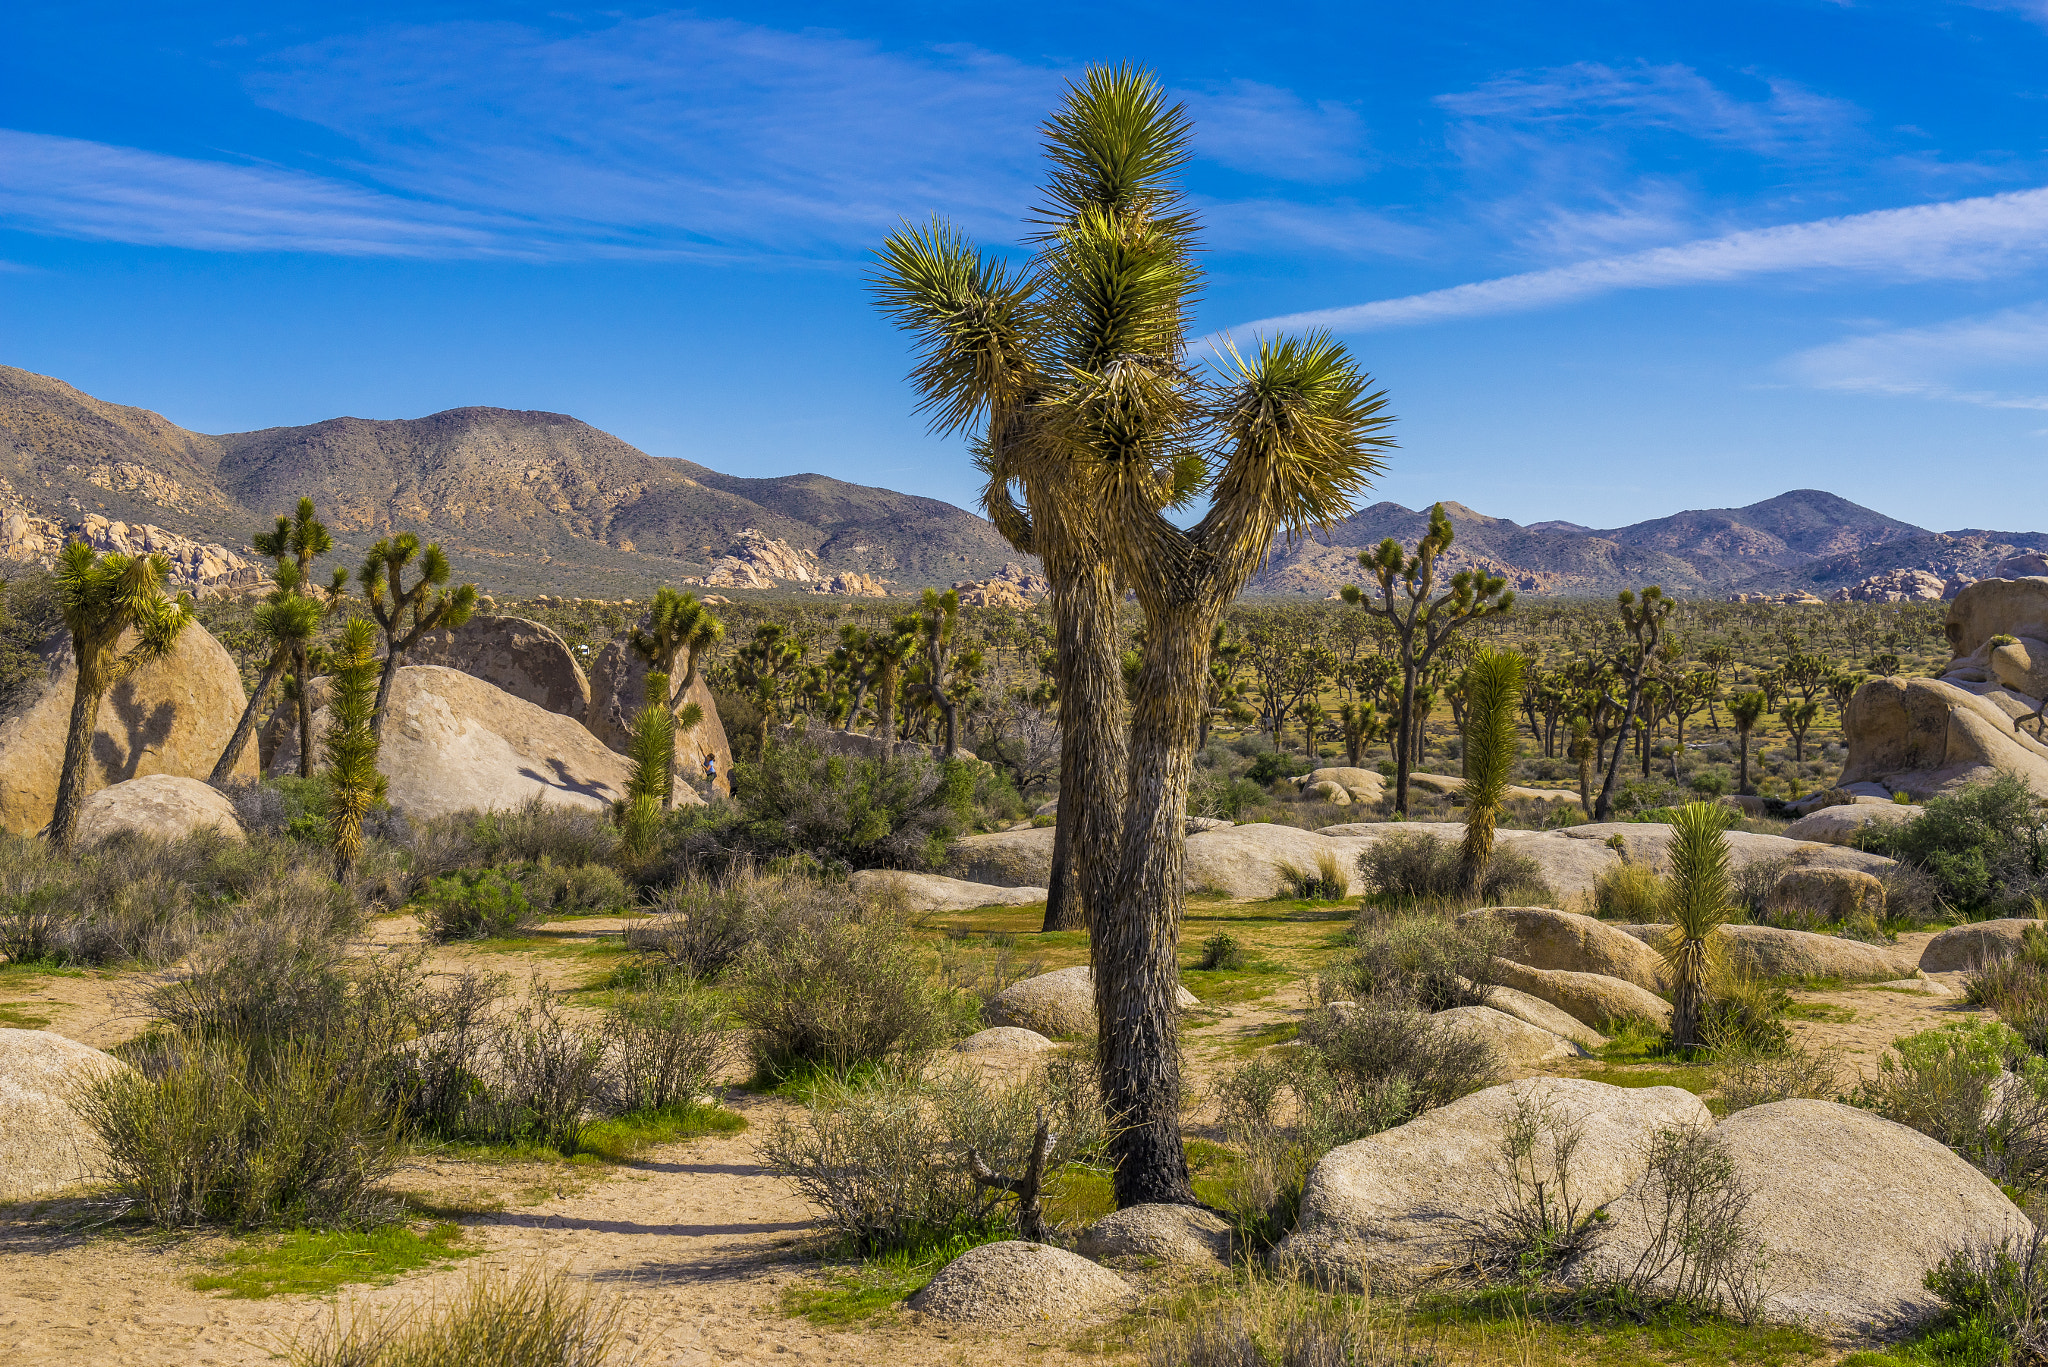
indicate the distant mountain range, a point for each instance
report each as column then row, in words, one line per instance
column 529, row 502
column 1806, row 540
column 524, row 502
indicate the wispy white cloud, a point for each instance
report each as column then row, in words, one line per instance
column 1785, row 119
column 92, row 190
column 1270, row 131
column 1343, row 228
column 1961, row 361
column 1962, row 239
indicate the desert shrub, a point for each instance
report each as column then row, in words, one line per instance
column 551, row 1074
column 703, row 926
column 983, row 976
column 1976, row 1087
column 1757, row 1077
column 474, row 905
column 438, row 1077
column 2016, row 987
column 1221, row 796
column 885, row 1159
column 1703, row 1251
column 667, row 1042
column 1540, row 1221
column 1425, row 959
column 132, row 898
column 564, row 836
column 1986, row 847
column 1324, row 883
column 1994, row 1299
column 1417, row 866
column 205, row 1131
column 1638, row 797
column 1270, row 766
column 1222, row 952
column 1630, row 893
column 535, row 1320
column 1361, row 1070
column 575, row 889
column 1739, row 1012
column 837, row 992
column 854, row 813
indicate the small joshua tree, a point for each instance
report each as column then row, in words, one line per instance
column 1582, row 753
column 294, row 544
column 678, row 626
column 1697, row 898
column 1643, row 623
column 102, row 598
column 409, row 613
column 945, row 673
column 1746, row 710
column 650, row 788
column 1799, row 718
column 1362, row 726
column 354, row 785
column 1493, row 688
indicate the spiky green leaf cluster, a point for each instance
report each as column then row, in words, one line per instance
column 353, row 783
column 1493, row 689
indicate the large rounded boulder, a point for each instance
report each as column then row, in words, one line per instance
column 1590, row 998
column 454, row 743
column 1847, row 1209
column 171, row 716
column 936, row 892
column 1518, row 1048
column 44, row 1146
column 1003, row 859
column 618, row 690
column 1926, row 737
column 1977, row 944
column 524, row 658
column 159, row 806
column 1544, row 938
column 1014, row 1282
column 1840, row 825
column 1402, row 1204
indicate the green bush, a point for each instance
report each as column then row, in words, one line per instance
column 2016, row 987
column 839, row 993
column 576, row 889
column 1222, row 797
column 1416, row 866
column 205, row 1131
column 850, row 813
column 568, row 837
column 1222, row 952
column 474, row 905
column 1271, row 766
column 1424, row 959
column 1976, row 1087
column 1994, row 1305
column 667, row 1043
column 1986, row 846
column 701, row 926
column 1630, row 893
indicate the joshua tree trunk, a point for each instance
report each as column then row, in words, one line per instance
column 1404, row 744
column 393, row 658
column 305, row 709
column 1092, row 744
column 85, row 711
column 1137, row 934
column 246, row 727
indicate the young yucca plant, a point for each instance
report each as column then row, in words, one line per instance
column 651, row 786
column 1493, row 686
column 354, row 784
column 1697, row 896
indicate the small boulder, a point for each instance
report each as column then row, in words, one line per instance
column 1544, row 938
column 1004, row 859
column 935, row 892
column 1541, row 1014
column 1401, row 1204
column 1841, row 825
column 1768, row 952
column 1186, row 1236
column 1336, row 794
column 1927, row 987
column 1014, row 1282
column 1246, row 861
column 44, row 1146
column 1522, row 1049
column 1003, row 1038
column 1592, row 998
column 1970, row 946
column 1837, row 894
column 2022, row 666
column 161, row 806
column 1363, row 785
column 1056, row 1004
column 1850, row 1211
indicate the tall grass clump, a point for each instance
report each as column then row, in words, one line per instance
column 1630, row 893
column 1697, row 902
column 1426, row 959
column 2016, row 987
column 536, row 1319
column 1419, row 867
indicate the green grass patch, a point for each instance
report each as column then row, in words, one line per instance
column 1085, row 1194
column 308, row 1262
column 23, row 1016
column 1692, row 1078
column 1820, row 1011
column 847, row 1293
column 1226, row 986
column 1591, row 1328
column 621, row 1137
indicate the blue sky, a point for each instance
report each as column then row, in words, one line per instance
column 1610, row 260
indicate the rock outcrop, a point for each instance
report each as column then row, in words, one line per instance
column 171, row 716
column 205, row 570
column 851, row 584
column 1836, row 894
column 454, row 743
column 1544, row 938
column 1012, row 587
column 523, row 658
column 1841, row 825
column 935, row 892
column 160, row 806
column 618, row 690
column 1005, row 859
column 1361, row 785
column 1927, row 737
column 1849, row 1211
column 1971, row 946
column 44, row 1146
column 1897, row 586
column 1590, row 998
column 1057, row 1004
column 758, row 561
column 1015, row 1282
column 1519, row 1049
column 1541, row 1014
column 1401, row 1205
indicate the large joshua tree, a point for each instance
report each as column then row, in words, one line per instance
column 677, row 627
column 1423, row 621
column 104, row 598
column 409, row 613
